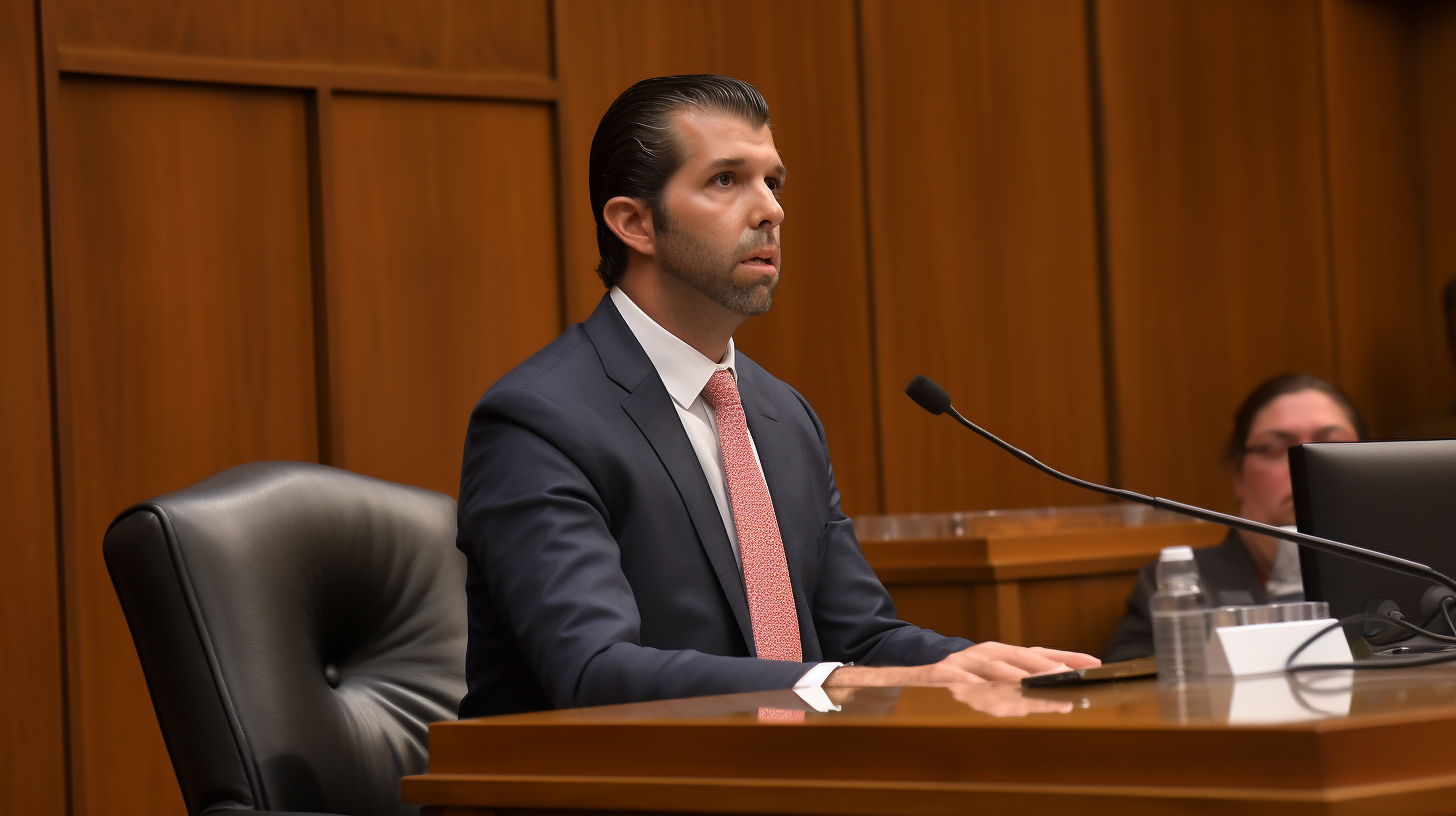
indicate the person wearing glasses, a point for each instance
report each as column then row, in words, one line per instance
column 1248, row 568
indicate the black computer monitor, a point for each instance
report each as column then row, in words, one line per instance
column 1395, row 497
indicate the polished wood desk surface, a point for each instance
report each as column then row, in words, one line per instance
column 1374, row 742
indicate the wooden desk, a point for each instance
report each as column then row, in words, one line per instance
column 1047, row 577
column 1126, row 748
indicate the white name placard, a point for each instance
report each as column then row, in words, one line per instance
column 1262, row 648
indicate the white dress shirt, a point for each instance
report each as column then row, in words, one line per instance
column 685, row 371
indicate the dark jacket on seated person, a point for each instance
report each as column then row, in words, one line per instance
column 599, row 570
column 1229, row 578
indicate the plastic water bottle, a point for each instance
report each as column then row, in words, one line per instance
column 1180, row 633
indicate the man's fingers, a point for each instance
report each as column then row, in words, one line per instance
column 1002, row 671
column 1033, row 662
column 1075, row 660
column 977, row 659
column 1004, row 663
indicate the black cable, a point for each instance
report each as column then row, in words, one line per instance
column 1446, row 610
column 1382, row 663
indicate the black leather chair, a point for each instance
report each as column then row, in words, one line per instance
column 299, row 626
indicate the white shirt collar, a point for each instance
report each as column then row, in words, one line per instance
column 683, row 369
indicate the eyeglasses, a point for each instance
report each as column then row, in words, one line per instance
column 1271, row 451
column 1278, row 451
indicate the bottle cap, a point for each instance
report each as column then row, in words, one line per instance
column 1176, row 554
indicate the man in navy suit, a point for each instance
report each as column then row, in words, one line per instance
column 646, row 512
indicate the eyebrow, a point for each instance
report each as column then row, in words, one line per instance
column 1283, row 435
column 778, row 169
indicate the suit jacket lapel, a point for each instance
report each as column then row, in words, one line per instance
column 651, row 408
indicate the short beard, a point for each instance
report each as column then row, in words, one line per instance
column 693, row 262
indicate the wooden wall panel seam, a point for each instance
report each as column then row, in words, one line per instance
column 876, row 412
column 1433, row 330
column 561, row 165
column 558, row 137
column 305, row 75
column 50, row 78
column 1326, row 161
column 1440, row 363
column 47, row 78
column 1435, row 46
column 1381, row 299
column 553, row 67
column 1096, row 130
column 322, row 250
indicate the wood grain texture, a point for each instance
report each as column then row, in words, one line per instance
column 1435, row 45
column 445, row 274
column 1380, row 292
column 408, row 82
column 1217, row 238
column 984, row 248
column 32, row 730
column 1079, row 614
column 1127, row 747
column 1065, row 590
column 665, row 796
column 448, row 36
column 185, row 346
column 816, row 337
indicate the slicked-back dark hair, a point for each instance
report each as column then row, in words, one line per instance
column 636, row 148
column 1274, row 388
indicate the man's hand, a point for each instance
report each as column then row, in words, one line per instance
column 989, row 661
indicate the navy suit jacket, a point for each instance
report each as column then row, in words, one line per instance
column 599, row 570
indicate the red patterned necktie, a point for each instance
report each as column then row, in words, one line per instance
column 765, row 572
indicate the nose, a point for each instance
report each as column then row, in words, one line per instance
column 767, row 211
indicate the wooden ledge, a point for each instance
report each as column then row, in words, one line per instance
column 306, row 75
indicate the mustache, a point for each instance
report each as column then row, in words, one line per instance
column 756, row 241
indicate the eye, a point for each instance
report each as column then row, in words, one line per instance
column 723, row 180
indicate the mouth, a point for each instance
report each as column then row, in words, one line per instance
column 765, row 258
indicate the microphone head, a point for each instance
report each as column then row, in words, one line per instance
column 928, row 395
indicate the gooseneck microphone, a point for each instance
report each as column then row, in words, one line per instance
column 934, row 399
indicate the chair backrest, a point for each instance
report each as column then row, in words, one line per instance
column 299, row 626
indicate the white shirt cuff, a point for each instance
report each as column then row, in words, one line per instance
column 810, row 687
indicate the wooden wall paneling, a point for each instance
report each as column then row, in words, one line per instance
column 1435, row 47
column 32, row 730
column 984, row 247
column 1078, row 613
column 449, row 36
column 445, row 275
column 1217, row 239
column 1380, row 293
column 816, row 337
column 184, row 346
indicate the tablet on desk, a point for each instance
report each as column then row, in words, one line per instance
column 1107, row 672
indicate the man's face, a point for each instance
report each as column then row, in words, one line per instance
column 1262, row 480
column 718, row 228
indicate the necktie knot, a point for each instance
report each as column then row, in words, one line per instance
column 721, row 390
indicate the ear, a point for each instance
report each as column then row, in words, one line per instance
column 630, row 219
